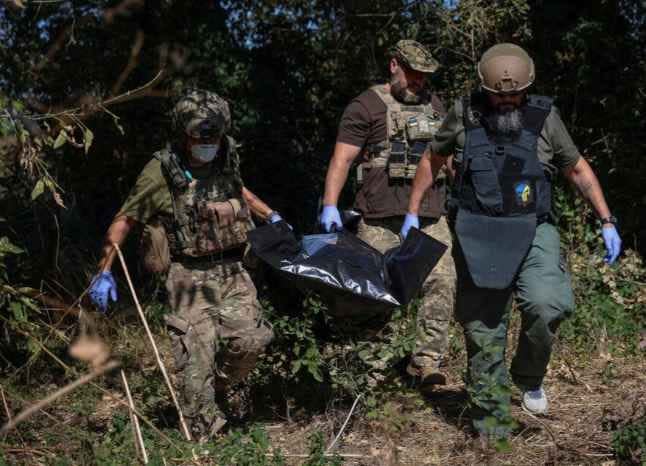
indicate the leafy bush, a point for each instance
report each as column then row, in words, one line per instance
column 253, row 449
column 629, row 442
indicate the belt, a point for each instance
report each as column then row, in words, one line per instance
column 231, row 255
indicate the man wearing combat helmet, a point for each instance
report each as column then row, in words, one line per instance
column 193, row 192
column 386, row 129
column 508, row 147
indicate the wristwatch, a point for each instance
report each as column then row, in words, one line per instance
column 610, row 219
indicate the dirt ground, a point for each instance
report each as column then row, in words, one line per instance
column 588, row 402
column 586, row 405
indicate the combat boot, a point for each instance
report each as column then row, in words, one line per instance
column 428, row 373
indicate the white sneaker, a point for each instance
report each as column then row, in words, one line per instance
column 535, row 401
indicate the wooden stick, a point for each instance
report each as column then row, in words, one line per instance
column 139, row 440
column 59, row 393
column 325, row 455
column 22, row 400
column 160, row 363
column 6, row 406
column 8, row 411
column 336, row 439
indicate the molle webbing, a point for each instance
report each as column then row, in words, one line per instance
column 406, row 127
column 476, row 189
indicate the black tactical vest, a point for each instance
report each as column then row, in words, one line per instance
column 501, row 191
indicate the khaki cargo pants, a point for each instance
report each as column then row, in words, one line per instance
column 217, row 334
column 438, row 292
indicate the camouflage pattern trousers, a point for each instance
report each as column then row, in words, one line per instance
column 438, row 292
column 217, row 335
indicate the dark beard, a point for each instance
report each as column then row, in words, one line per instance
column 405, row 96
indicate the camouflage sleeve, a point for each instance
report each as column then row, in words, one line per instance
column 557, row 144
column 150, row 195
column 355, row 124
column 446, row 138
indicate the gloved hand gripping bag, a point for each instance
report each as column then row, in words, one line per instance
column 408, row 265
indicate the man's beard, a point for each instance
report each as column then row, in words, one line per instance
column 507, row 123
column 405, row 95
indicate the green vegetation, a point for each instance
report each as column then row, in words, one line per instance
column 72, row 141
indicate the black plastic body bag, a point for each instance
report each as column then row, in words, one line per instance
column 346, row 271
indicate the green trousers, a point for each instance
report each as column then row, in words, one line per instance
column 544, row 297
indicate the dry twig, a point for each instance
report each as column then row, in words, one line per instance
column 23, row 415
column 139, row 440
column 336, row 439
column 160, row 363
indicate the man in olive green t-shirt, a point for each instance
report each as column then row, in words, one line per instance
column 193, row 195
column 507, row 147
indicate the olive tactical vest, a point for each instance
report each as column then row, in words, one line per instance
column 210, row 215
column 409, row 128
column 500, row 194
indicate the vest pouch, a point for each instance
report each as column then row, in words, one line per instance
column 421, row 127
column 155, row 250
column 397, row 160
column 221, row 226
column 486, row 185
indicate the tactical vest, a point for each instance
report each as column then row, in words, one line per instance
column 501, row 192
column 409, row 128
column 210, row 215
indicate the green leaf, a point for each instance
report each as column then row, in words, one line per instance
column 61, row 139
column 88, row 137
column 18, row 311
column 6, row 247
column 38, row 189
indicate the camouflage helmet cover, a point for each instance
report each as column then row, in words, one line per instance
column 414, row 55
column 201, row 114
column 506, row 68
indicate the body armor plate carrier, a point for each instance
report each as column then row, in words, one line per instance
column 500, row 192
column 210, row 215
column 409, row 128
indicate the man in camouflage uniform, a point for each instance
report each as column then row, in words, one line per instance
column 508, row 147
column 192, row 193
column 386, row 128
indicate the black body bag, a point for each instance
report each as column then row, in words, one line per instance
column 346, row 271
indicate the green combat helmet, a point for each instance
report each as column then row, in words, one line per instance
column 414, row 55
column 506, row 68
column 201, row 114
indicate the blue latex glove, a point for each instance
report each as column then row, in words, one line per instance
column 103, row 285
column 330, row 216
column 274, row 217
column 613, row 243
column 411, row 220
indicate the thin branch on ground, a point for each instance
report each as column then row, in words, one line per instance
column 336, row 439
column 160, row 363
column 139, row 440
column 25, row 414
